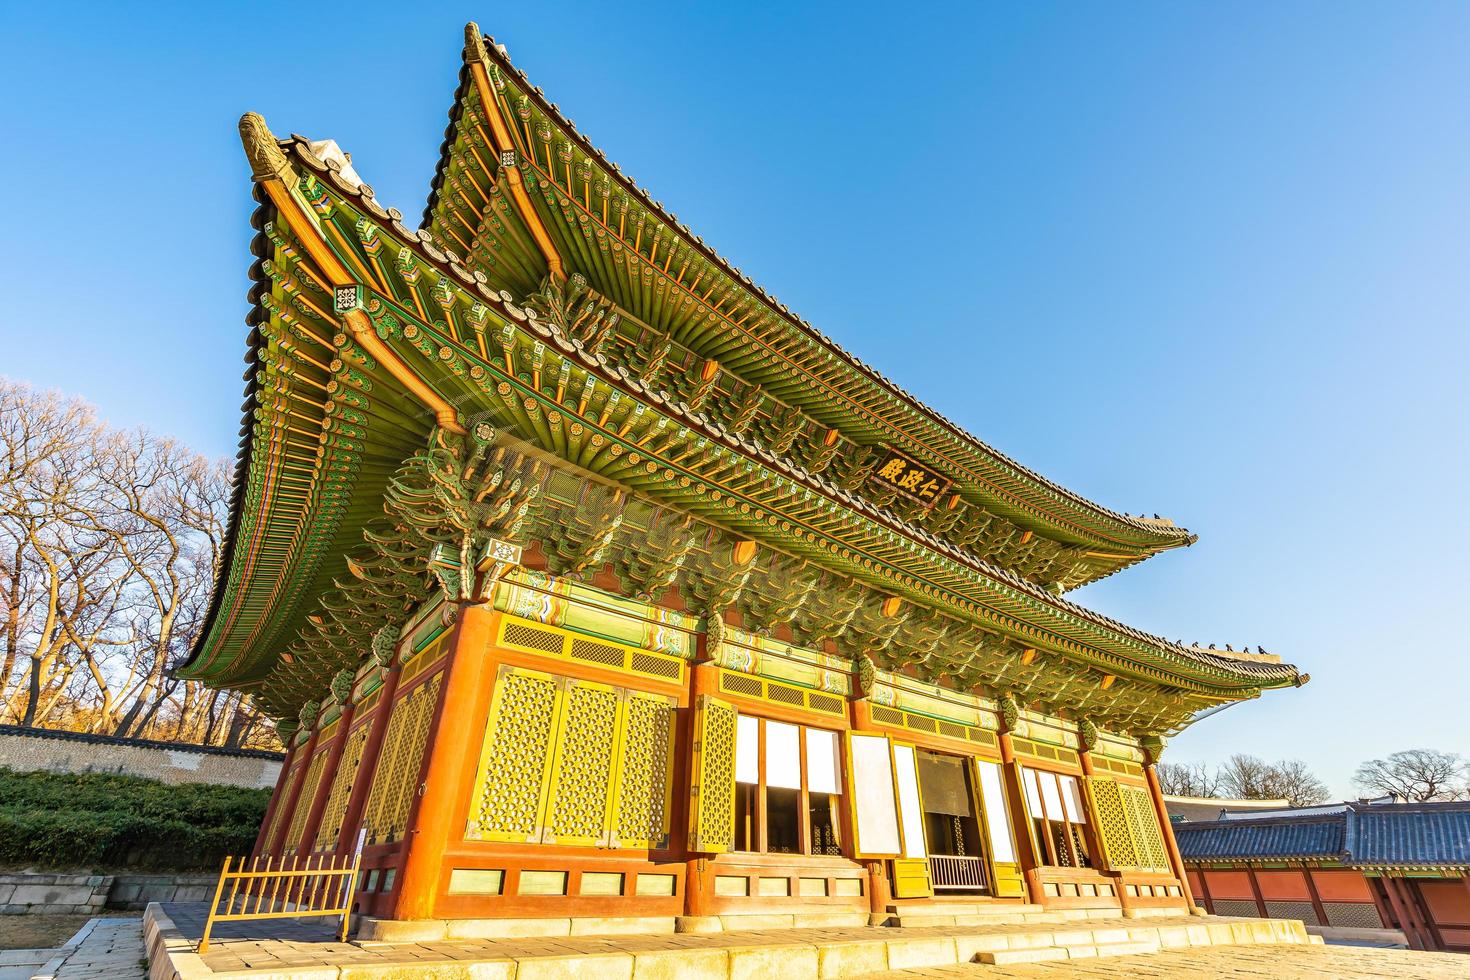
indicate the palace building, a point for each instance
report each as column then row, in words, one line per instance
column 588, row 581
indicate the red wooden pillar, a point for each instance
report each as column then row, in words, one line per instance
column 1010, row 772
column 275, row 800
column 283, row 826
column 362, row 784
column 324, row 787
column 453, row 751
column 1406, row 919
column 698, row 883
column 1256, row 891
column 880, row 889
column 1153, row 748
column 1204, row 887
column 1380, row 901
column 1316, row 897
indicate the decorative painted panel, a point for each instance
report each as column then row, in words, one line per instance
column 712, row 795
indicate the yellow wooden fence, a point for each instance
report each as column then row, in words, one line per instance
column 283, row 888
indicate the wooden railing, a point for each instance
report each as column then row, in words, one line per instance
column 283, row 888
column 961, row 873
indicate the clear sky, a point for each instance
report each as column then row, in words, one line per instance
column 1209, row 261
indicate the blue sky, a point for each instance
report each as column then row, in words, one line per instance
column 1208, row 261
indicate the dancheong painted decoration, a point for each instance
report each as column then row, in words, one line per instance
column 587, row 580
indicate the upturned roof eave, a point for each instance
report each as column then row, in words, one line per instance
column 1279, row 677
column 1152, row 536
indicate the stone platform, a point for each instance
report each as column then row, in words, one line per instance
column 305, row 949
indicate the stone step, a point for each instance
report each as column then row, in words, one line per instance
column 1075, row 951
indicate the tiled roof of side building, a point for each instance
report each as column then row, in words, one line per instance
column 1274, row 839
column 1410, row 834
column 1394, row 835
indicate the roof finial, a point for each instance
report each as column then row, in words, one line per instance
column 267, row 162
column 474, row 44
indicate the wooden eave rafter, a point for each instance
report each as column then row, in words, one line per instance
column 988, row 476
column 899, row 558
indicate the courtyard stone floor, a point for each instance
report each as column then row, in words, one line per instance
column 307, row 948
column 1226, row 962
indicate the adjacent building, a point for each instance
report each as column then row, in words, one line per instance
column 588, row 580
column 1367, row 866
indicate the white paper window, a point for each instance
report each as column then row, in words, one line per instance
column 821, row 761
column 872, row 789
column 1033, row 797
column 906, row 768
column 1050, row 796
column 747, row 750
column 783, row 755
column 1072, row 800
column 993, row 798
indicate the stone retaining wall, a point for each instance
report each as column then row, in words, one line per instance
column 30, row 749
column 76, row 894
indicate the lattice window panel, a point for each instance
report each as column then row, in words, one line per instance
column 303, row 802
column 1237, row 907
column 745, row 685
column 1113, row 829
column 1293, row 910
column 712, row 827
column 1353, row 915
column 516, row 757
column 275, row 820
column 397, row 776
column 342, row 780
column 586, row 748
column 644, row 778
column 1148, row 842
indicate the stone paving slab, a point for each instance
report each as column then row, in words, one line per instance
column 104, row 949
column 1226, row 962
column 281, row 948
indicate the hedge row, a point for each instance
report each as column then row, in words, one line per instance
column 101, row 822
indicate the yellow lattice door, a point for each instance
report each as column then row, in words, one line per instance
column 331, row 825
column 712, row 796
column 511, row 789
column 1143, row 823
column 584, row 753
column 268, row 840
column 1114, row 833
column 396, row 780
column 303, row 803
column 645, row 773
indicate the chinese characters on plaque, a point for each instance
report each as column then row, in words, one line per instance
column 910, row 479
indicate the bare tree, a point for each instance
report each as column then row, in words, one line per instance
column 1418, row 775
column 109, row 542
column 1292, row 781
column 1179, row 779
column 1245, row 777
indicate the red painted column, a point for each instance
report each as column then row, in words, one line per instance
column 1010, row 773
column 362, row 785
column 698, row 883
column 324, row 787
column 1176, row 860
column 1316, row 897
column 1406, row 920
column 453, row 741
column 283, row 825
column 1256, row 891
